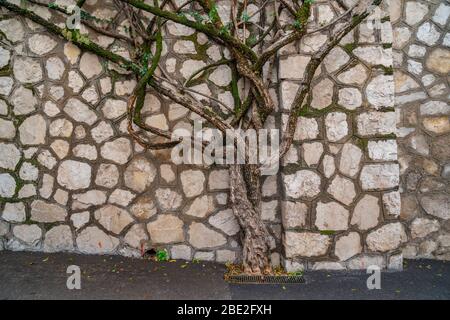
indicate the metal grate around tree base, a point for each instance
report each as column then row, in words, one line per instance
column 250, row 279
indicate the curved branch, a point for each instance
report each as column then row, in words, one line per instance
column 208, row 30
column 207, row 67
column 134, row 111
column 84, row 43
column 359, row 13
column 178, row 95
column 84, row 20
column 243, row 66
column 290, row 8
column 303, row 15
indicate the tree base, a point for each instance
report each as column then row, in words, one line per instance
column 270, row 279
column 236, row 274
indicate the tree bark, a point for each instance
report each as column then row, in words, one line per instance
column 256, row 238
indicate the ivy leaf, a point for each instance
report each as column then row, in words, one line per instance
column 197, row 16
column 245, row 17
column 297, row 24
column 224, row 30
column 213, row 14
column 251, row 40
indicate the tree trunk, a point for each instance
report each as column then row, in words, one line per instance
column 245, row 199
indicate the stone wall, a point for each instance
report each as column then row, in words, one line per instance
column 341, row 200
column 71, row 179
column 422, row 66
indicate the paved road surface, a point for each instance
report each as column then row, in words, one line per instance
column 26, row 275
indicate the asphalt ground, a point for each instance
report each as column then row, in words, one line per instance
column 33, row 276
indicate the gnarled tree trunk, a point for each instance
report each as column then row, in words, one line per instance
column 256, row 238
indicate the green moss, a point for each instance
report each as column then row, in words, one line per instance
column 18, row 119
column 50, row 225
column 390, row 136
column 362, row 143
column 303, row 13
column 34, row 161
column 349, row 47
column 387, row 45
column 19, row 184
column 213, row 14
column 356, row 19
column 5, row 71
column 327, row 232
column 82, row 38
column 308, row 112
column 29, row 221
column 388, row 71
column 67, row 34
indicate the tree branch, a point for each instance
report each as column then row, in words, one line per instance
column 359, row 13
column 84, row 43
column 208, row 30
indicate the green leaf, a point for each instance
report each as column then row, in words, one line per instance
column 162, row 255
column 213, row 14
column 297, row 24
column 197, row 16
column 225, row 30
column 245, row 17
column 251, row 40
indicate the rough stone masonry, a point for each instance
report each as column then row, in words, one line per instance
column 422, row 66
column 72, row 179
